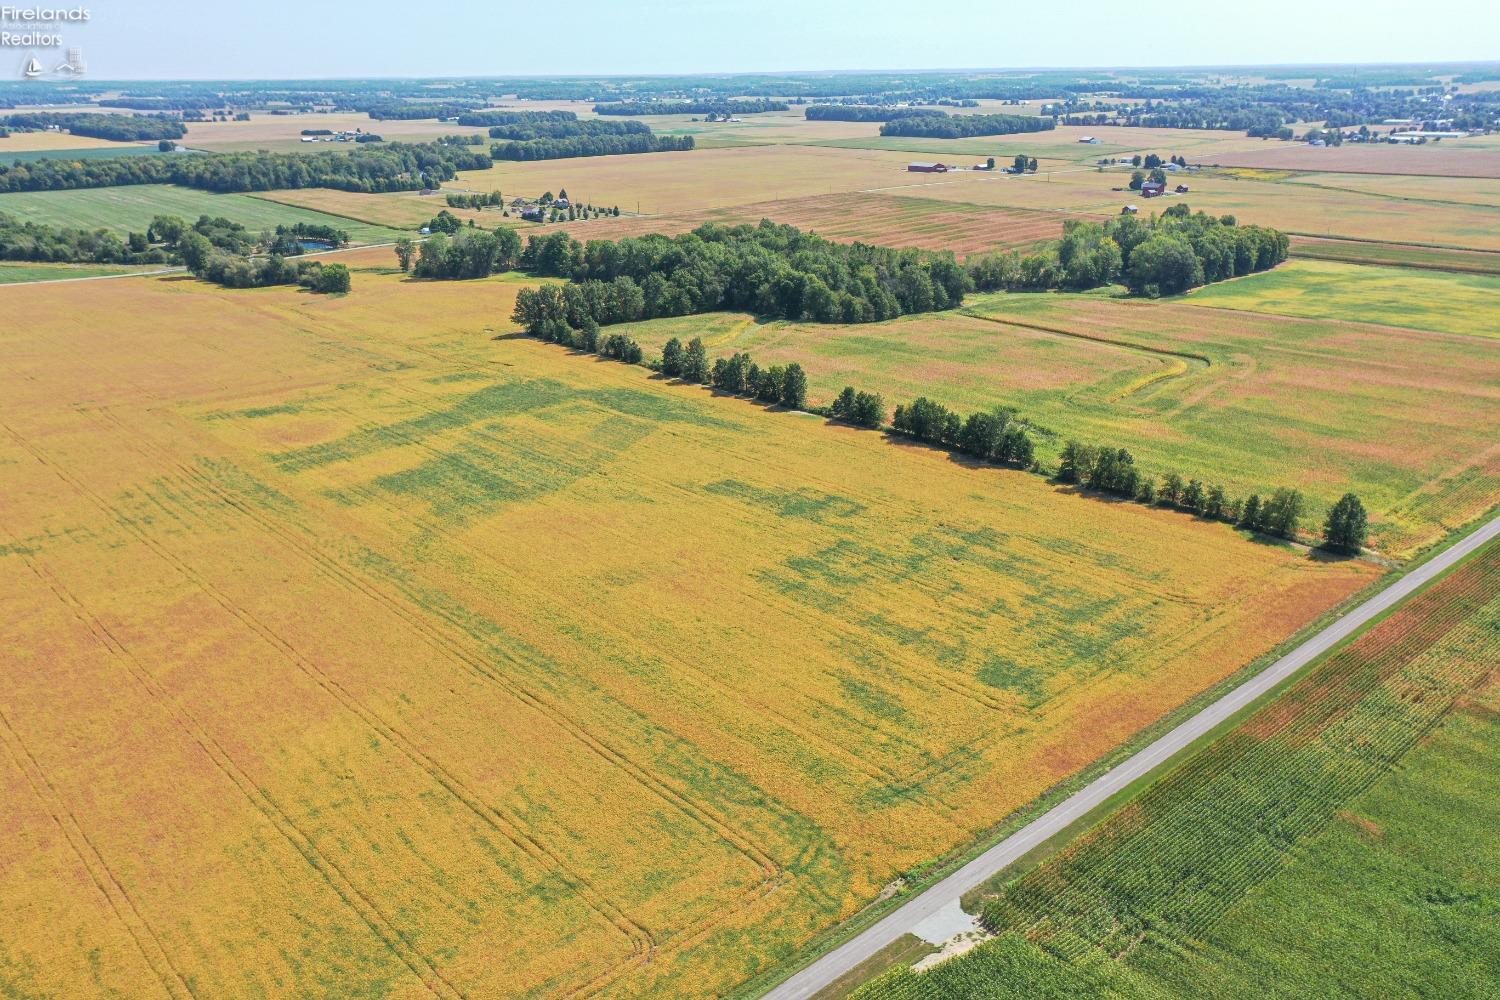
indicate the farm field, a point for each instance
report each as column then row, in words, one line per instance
column 283, row 133
column 1062, row 143
column 888, row 220
column 12, row 272
column 1465, row 190
column 1397, row 255
column 133, row 207
column 1295, row 208
column 1351, row 816
column 1424, row 300
column 1450, row 158
column 1404, row 418
column 86, row 153
column 406, row 210
column 53, row 143
column 336, row 650
column 882, row 219
column 662, row 183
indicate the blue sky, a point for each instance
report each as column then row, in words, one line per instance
column 195, row 39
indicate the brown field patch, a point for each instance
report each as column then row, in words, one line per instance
column 847, row 218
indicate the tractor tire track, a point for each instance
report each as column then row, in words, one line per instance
column 359, row 902
column 641, row 940
column 109, row 885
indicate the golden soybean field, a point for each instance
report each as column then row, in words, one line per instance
column 355, row 647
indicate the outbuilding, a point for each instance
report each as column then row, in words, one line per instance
column 927, row 168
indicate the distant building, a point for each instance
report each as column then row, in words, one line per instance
column 1090, row 140
column 1181, row 189
column 927, row 168
column 1153, row 189
column 1129, row 210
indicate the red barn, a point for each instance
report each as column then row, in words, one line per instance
column 927, row 168
column 1151, row 189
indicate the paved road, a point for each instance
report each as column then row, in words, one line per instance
column 851, row 953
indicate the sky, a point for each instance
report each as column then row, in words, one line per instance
column 275, row 39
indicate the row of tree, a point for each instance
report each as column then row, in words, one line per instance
column 566, row 128
column 488, row 116
column 864, row 113
column 389, row 167
column 591, row 145
column 239, row 271
column 992, row 436
column 772, row 270
column 564, row 315
column 407, row 110
column 1159, row 256
column 1113, row 471
column 476, row 201
column 714, row 107
column 159, row 244
column 34, row 241
column 944, row 126
column 117, row 128
column 470, row 253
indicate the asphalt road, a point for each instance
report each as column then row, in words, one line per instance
column 851, row 953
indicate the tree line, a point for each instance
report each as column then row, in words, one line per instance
column 391, row 167
column 943, row 126
column 1166, row 255
column 159, row 244
column 1112, row 470
column 864, row 113
column 476, row 201
column 566, row 129
column 772, row 270
column 407, row 110
column 590, row 143
column 498, row 117
column 719, row 107
column 117, row 128
column 998, row 436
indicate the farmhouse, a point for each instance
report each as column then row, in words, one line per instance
column 927, row 168
column 1153, row 189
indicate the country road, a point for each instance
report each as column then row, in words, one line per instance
column 836, row 963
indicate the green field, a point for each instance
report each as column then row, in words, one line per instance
column 1339, row 843
column 1447, row 303
column 12, row 272
column 133, row 207
column 87, row 153
column 1252, row 402
column 1398, row 255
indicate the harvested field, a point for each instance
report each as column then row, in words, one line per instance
column 1406, row 419
column 665, row 183
column 54, row 143
column 1397, row 255
column 345, row 637
column 1296, row 208
column 1396, row 296
column 1446, row 159
column 1462, row 190
column 1351, row 816
column 847, row 218
column 407, row 210
column 283, row 133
